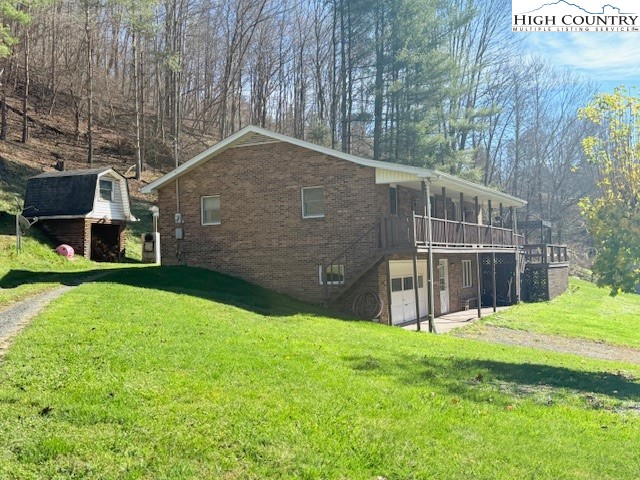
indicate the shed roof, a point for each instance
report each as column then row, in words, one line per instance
column 68, row 193
column 252, row 135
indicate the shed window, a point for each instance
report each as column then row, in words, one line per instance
column 106, row 190
column 210, row 210
column 312, row 202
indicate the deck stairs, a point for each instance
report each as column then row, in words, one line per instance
column 338, row 291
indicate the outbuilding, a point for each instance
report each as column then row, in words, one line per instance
column 87, row 209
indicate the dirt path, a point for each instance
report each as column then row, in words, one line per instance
column 14, row 318
column 554, row 343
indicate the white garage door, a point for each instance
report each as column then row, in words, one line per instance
column 403, row 297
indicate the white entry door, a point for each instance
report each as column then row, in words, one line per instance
column 403, row 297
column 443, row 272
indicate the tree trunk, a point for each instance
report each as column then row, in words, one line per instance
column 25, row 97
column 379, row 82
column 3, row 110
column 136, row 89
column 89, row 85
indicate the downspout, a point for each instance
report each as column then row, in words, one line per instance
column 178, row 241
column 430, row 291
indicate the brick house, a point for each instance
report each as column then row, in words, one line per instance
column 377, row 239
column 87, row 209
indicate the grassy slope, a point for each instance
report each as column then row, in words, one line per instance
column 37, row 267
column 37, row 261
column 182, row 373
column 584, row 311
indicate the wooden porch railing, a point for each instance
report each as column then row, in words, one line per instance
column 401, row 232
column 545, row 253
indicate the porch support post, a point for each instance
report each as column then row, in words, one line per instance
column 501, row 216
column 430, row 295
column 445, row 215
column 478, row 285
column 463, row 219
column 490, row 213
column 415, row 290
column 389, row 292
column 490, row 221
column 514, row 221
column 477, row 221
column 493, row 278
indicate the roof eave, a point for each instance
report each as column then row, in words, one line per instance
column 420, row 173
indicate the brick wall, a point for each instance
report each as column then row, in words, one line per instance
column 69, row 231
column 408, row 199
column 262, row 236
column 457, row 293
column 376, row 280
column 544, row 281
column 76, row 232
column 558, row 279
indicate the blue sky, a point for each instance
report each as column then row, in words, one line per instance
column 609, row 58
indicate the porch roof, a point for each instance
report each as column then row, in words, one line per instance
column 386, row 172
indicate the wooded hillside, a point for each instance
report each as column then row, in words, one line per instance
column 441, row 84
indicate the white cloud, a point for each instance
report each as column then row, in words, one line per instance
column 603, row 56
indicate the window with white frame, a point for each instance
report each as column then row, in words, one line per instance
column 210, row 210
column 312, row 202
column 106, row 190
column 467, row 277
column 333, row 273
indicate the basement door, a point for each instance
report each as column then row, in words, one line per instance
column 403, row 297
column 443, row 273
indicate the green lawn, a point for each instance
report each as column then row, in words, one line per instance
column 38, row 268
column 24, row 274
column 175, row 373
column 584, row 311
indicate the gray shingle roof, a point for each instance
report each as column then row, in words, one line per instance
column 61, row 193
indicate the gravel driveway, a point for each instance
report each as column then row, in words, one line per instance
column 554, row 343
column 15, row 317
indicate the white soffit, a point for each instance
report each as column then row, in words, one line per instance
column 453, row 185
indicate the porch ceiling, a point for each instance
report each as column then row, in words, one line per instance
column 453, row 185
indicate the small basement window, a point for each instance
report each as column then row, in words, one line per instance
column 312, row 202
column 210, row 210
column 106, row 190
column 333, row 273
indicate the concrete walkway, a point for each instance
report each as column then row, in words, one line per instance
column 446, row 323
